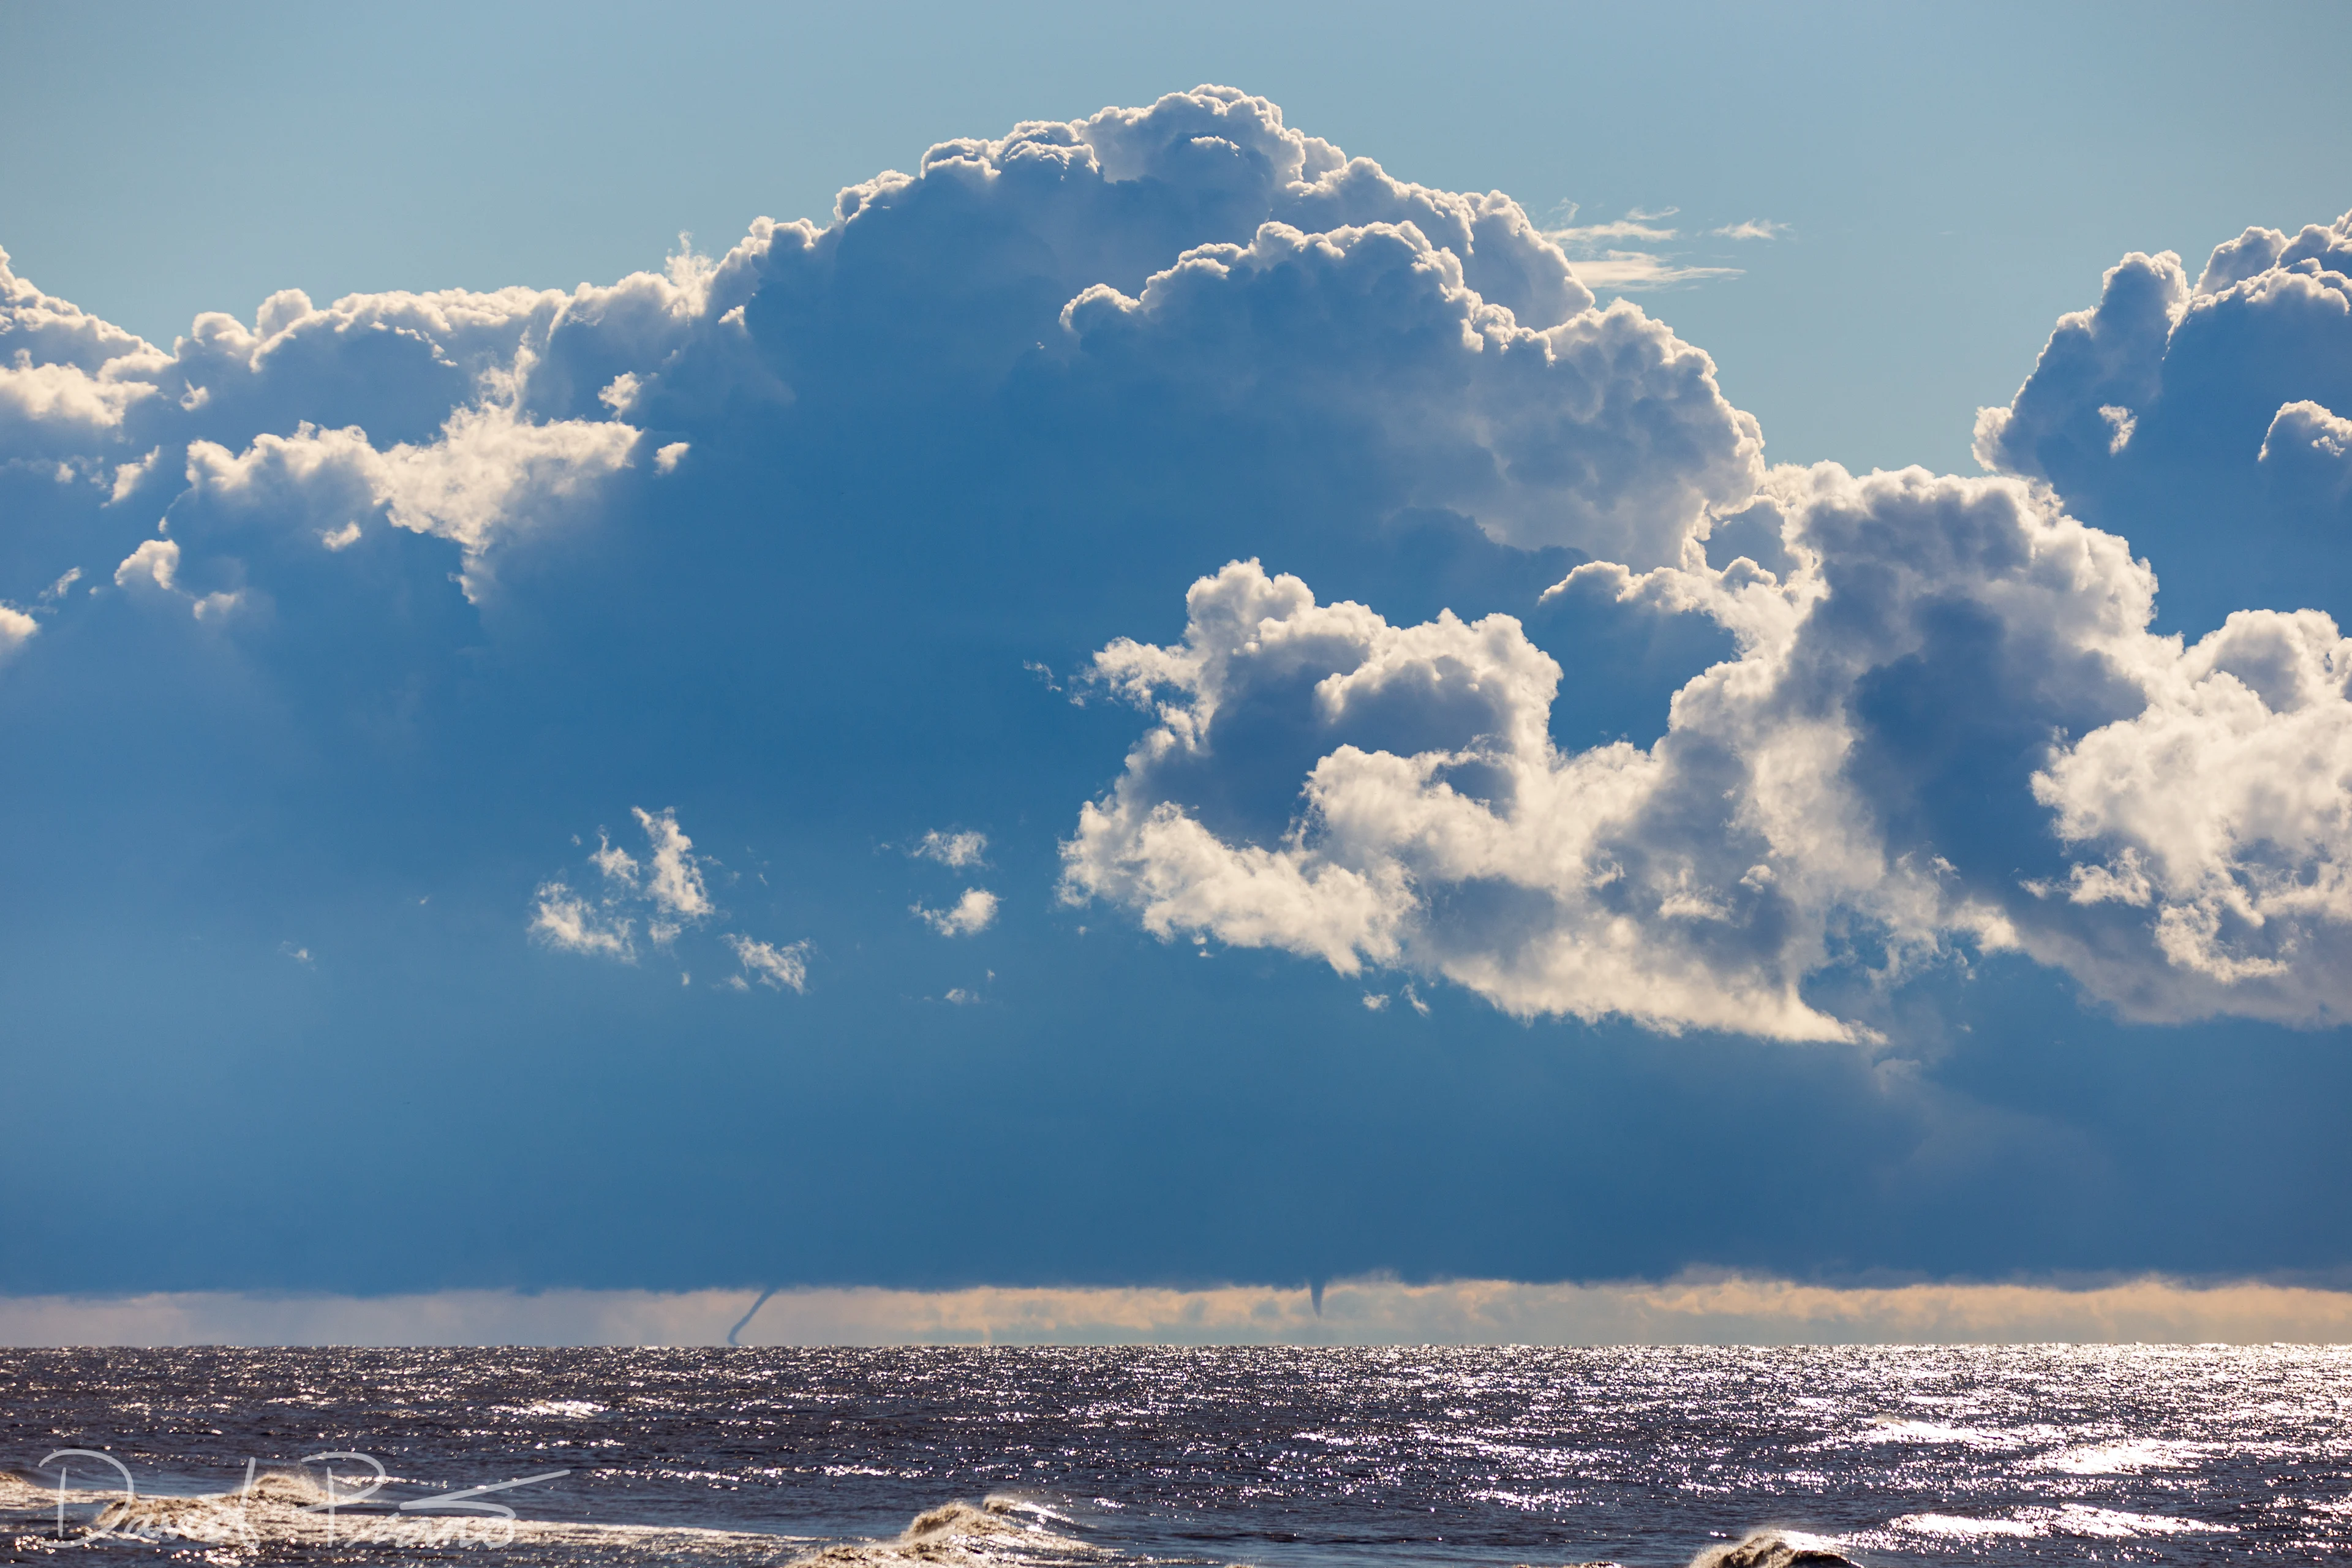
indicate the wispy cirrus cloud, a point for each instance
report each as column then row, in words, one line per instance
column 1634, row 271
column 1599, row 253
column 1599, row 233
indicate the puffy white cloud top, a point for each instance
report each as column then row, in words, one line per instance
column 1943, row 663
column 2205, row 420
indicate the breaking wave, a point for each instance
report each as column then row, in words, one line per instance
column 1775, row 1549
column 955, row 1534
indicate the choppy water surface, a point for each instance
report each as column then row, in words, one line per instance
column 1287, row 1458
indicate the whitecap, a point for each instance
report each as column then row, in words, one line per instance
column 2122, row 1457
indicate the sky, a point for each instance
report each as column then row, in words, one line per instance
column 1592, row 645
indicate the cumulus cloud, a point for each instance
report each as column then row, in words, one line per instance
column 2199, row 419
column 1751, row 228
column 968, row 916
column 1949, row 678
column 1442, row 832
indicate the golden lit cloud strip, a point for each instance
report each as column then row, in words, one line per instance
column 1692, row 1309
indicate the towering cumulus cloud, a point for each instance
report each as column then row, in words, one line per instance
column 873, row 722
column 809, row 538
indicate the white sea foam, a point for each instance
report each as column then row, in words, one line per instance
column 1909, row 1429
column 2122, row 1458
column 2072, row 1518
column 575, row 1409
column 1960, row 1527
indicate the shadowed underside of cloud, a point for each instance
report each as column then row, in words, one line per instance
column 1695, row 1310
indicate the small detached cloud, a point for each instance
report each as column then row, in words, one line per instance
column 1751, row 228
column 781, row 968
column 665, row 889
column 956, row 850
column 968, row 916
column 17, row 628
column 570, row 923
column 674, row 881
column 152, row 571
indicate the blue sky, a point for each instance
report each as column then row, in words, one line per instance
column 1144, row 704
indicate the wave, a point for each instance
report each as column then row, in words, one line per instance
column 1775, row 1549
column 282, row 1508
column 957, row 1535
